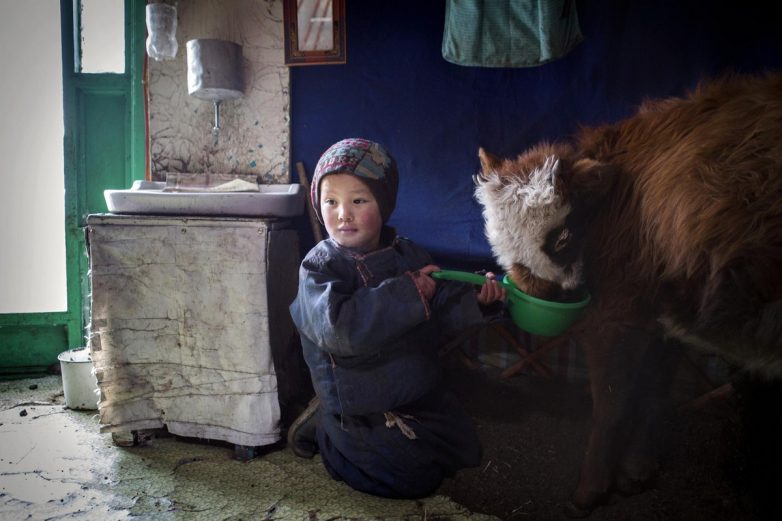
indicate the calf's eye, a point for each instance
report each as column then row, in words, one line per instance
column 562, row 240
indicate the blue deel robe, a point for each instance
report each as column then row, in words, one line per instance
column 386, row 426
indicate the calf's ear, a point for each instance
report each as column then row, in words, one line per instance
column 591, row 179
column 489, row 161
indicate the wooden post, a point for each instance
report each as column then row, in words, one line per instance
column 304, row 182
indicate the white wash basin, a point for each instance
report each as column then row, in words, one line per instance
column 148, row 197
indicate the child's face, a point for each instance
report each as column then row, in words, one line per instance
column 350, row 212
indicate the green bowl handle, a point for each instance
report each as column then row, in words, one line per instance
column 461, row 276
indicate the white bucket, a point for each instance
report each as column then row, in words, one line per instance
column 78, row 381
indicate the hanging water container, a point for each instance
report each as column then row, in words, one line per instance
column 214, row 69
column 214, row 73
column 161, row 31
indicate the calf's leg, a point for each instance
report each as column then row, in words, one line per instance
column 650, row 405
column 619, row 361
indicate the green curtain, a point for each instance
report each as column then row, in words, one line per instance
column 509, row 33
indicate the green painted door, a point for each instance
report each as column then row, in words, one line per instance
column 103, row 148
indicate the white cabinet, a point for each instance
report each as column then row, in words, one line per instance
column 187, row 318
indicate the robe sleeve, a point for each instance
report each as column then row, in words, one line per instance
column 345, row 320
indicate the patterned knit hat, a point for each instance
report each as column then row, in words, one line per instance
column 365, row 159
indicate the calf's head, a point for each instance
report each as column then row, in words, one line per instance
column 536, row 210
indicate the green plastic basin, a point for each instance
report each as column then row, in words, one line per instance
column 538, row 316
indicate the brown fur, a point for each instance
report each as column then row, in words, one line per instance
column 680, row 209
column 694, row 221
column 523, row 279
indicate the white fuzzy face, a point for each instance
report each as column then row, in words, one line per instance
column 520, row 214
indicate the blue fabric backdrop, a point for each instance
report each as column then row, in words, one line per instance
column 433, row 115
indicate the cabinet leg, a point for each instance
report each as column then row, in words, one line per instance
column 244, row 452
column 133, row 438
column 124, row 438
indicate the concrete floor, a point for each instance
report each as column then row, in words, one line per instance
column 55, row 464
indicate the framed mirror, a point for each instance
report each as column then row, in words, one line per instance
column 314, row 31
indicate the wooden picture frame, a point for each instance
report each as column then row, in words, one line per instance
column 314, row 32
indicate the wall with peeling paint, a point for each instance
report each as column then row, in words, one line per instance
column 254, row 136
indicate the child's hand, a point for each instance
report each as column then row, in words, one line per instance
column 426, row 284
column 491, row 291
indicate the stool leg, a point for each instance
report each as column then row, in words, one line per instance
column 528, row 357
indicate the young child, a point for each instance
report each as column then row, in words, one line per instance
column 371, row 319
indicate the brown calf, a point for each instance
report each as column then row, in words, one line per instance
column 673, row 220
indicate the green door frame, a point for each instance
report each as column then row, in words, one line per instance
column 104, row 147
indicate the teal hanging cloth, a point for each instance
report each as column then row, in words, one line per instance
column 509, row 33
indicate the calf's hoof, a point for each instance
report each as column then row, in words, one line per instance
column 584, row 503
column 628, row 486
column 574, row 511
